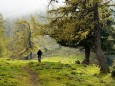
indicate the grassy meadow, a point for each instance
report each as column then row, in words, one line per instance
column 53, row 71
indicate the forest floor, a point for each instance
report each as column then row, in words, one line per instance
column 53, row 71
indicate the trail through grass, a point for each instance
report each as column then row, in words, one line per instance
column 15, row 73
column 33, row 76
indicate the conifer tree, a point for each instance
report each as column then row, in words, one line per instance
column 25, row 31
column 79, row 23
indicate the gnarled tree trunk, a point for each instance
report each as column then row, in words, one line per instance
column 97, row 44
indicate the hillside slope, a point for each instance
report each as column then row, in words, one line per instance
column 55, row 71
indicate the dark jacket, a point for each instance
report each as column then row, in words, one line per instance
column 39, row 52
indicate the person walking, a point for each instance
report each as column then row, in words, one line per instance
column 39, row 53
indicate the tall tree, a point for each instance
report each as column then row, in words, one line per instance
column 97, row 44
column 24, row 33
column 79, row 23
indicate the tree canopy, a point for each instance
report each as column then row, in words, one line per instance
column 80, row 23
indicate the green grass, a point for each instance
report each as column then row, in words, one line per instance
column 57, row 74
column 64, row 60
column 11, row 73
column 55, row 71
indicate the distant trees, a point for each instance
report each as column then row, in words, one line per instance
column 79, row 23
column 1, row 33
column 3, row 43
column 24, row 32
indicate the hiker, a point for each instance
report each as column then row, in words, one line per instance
column 39, row 53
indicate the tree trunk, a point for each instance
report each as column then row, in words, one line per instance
column 29, row 41
column 97, row 43
column 30, row 56
column 87, row 55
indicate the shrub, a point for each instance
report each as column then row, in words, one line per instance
column 77, row 62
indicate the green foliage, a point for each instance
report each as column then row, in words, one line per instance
column 108, row 40
column 24, row 34
column 73, row 24
column 3, row 39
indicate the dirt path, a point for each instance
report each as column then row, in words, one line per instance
column 33, row 80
